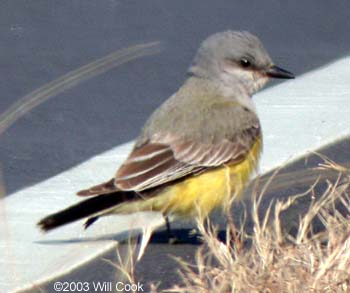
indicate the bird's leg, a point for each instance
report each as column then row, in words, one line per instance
column 168, row 228
column 172, row 239
column 192, row 236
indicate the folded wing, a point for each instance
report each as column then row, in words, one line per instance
column 165, row 157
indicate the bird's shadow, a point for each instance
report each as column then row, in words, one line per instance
column 178, row 236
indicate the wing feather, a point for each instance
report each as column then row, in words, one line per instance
column 155, row 163
column 163, row 155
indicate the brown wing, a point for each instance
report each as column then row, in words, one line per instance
column 151, row 165
column 147, row 166
column 155, row 163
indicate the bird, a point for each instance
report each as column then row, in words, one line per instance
column 198, row 149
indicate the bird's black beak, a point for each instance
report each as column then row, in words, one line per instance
column 277, row 72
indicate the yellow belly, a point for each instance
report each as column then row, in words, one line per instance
column 201, row 193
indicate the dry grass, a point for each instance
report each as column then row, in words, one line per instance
column 270, row 259
column 276, row 261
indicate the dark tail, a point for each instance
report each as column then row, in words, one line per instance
column 86, row 208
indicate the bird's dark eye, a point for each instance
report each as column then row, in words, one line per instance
column 245, row 62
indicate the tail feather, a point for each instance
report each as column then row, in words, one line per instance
column 90, row 221
column 87, row 208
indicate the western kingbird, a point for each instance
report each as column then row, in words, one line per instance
column 199, row 148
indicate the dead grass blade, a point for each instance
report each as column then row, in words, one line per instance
column 71, row 79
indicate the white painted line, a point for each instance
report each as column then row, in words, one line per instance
column 297, row 116
column 304, row 114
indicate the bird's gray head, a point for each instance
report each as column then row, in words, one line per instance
column 236, row 59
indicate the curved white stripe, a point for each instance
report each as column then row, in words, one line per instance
column 148, row 156
column 193, row 155
column 143, row 171
column 199, row 159
column 215, row 158
column 184, row 152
